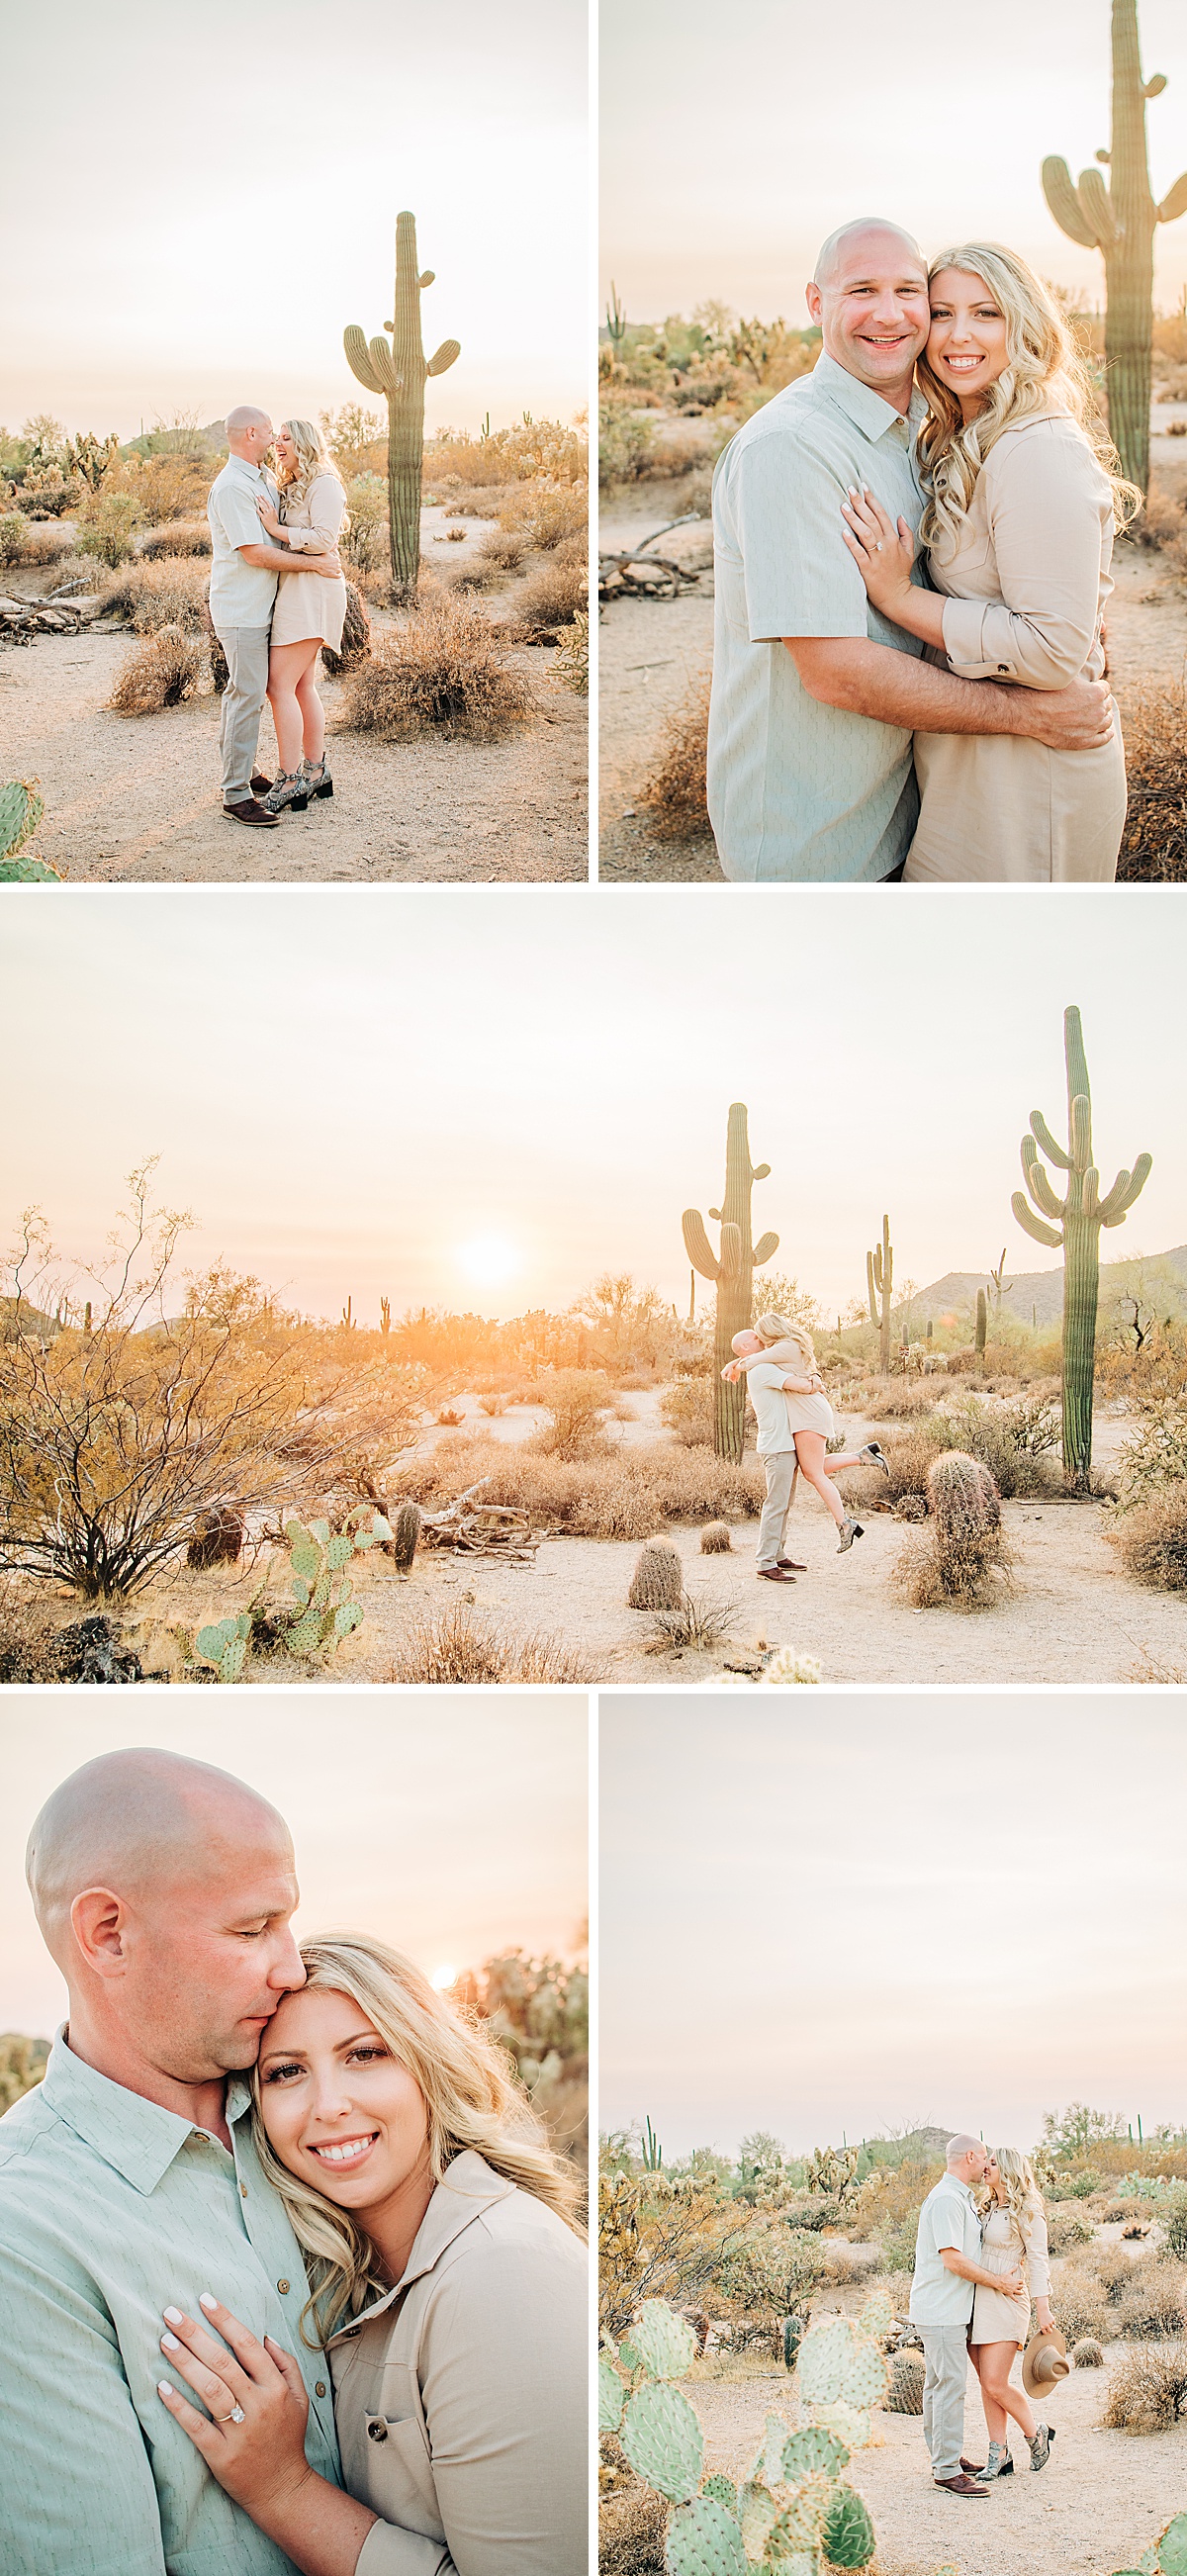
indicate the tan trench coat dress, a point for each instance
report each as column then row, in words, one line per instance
column 1009, row 2245
column 461, row 2398
column 306, row 603
column 1025, row 592
column 804, row 1412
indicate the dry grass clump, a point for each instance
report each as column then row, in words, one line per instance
column 28, row 1651
column 901, row 1399
column 455, row 1646
column 171, row 592
column 444, row 670
column 674, row 795
column 544, row 515
column 182, row 537
column 503, row 550
column 1148, row 2392
column 1153, row 1540
column 1154, row 844
column 22, row 544
column 161, row 673
column 550, row 600
column 687, row 1409
column 694, row 1624
column 632, row 2524
column 626, row 1494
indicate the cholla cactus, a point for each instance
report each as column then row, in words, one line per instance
column 320, row 1583
column 793, row 2513
column 224, row 1644
column 832, row 2170
column 733, row 1270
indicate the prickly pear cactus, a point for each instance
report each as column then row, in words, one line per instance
column 611, row 2396
column 704, row 2540
column 21, row 809
column 224, row 1644
column 328, row 1611
column 665, row 2344
column 663, row 2441
column 812, row 2449
column 848, row 2531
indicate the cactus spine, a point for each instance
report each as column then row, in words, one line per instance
column 1076, row 1221
column 879, row 1281
column 399, row 373
column 733, row 1270
column 1120, row 222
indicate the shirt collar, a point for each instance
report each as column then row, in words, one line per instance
column 860, row 403
column 469, row 2188
column 254, row 473
column 139, row 2139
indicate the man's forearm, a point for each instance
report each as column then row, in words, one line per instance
column 968, row 2271
column 868, row 679
column 280, row 559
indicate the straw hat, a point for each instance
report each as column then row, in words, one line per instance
column 1045, row 2363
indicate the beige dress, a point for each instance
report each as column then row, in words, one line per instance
column 306, row 603
column 804, row 1412
column 461, row 2399
column 1008, row 2245
column 1024, row 594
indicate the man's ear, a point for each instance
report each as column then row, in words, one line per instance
column 813, row 300
column 99, row 1922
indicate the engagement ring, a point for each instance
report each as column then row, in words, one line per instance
column 236, row 2416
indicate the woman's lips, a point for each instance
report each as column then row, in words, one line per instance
column 342, row 2153
column 965, row 366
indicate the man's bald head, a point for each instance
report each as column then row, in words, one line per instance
column 135, row 1822
column 248, row 416
column 249, row 433
column 856, row 242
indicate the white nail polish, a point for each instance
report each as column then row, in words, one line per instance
column 169, row 2343
column 207, row 2299
column 173, row 2315
column 165, row 2388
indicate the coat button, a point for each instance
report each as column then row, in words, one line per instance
column 282, row 2286
column 378, row 2431
column 319, row 2388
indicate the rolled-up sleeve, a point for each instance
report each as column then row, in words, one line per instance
column 327, row 505
column 1047, row 501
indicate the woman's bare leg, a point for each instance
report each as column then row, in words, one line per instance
column 287, row 666
column 811, row 1452
column 313, row 714
column 993, row 2363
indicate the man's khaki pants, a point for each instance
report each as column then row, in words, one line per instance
column 946, row 2356
column 779, row 1465
column 246, row 649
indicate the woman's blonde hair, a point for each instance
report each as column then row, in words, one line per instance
column 1023, row 2195
column 312, row 458
column 779, row 1328
column 1044, row 373
column 472, row 2097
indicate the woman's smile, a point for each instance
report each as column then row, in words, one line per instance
column 341, row 2151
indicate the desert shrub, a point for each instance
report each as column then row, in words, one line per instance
column 551, row 599
column 1148, row 2392
column 1065, row 2228
column 492, row 1404
column 769, row 2269
column 365, row 540
column 901, row 1399
column 694, row 1623
column 160, row 673
column 673, row 796
column 1151, row 2303
column 626, row 1495
column 22, row 2065
column 576, row 1402
column 455, row 1646
column 503, row 550
column 963, row 1551
column 1152, row 1540
column 845, row 2268
column 169, row 592
column 183, row 537
column 909, row 1459
column 1174, row 2225
column 1154, row 843
column 14, row 530
column 675, row 453
column 1080, row 2309
column 547, row 517
column 109, row 531
column 445, row 669
column 356, row 636
column 572, row 656
column 626, row 444
column 632, row 2528
column 687, row 1409
column 531, row 451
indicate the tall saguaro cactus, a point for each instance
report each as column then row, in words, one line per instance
column 879, row 1280
column 1120, row 221
column 733, row 1269
column 399, row 373
column 1077, row 1219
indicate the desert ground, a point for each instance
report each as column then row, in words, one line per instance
column 135, row 799
column 654, row 653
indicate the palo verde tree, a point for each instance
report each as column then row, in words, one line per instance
column 1120, row 221
column 1074, row 1222
column 399, row 373
column 732, row 1268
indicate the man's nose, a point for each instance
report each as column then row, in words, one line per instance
column 288, row 1967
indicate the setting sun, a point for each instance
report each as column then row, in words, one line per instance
column 488, row 1259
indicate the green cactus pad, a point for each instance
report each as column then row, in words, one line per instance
column 801, row 2522
column 21, row 809
column 611, row 2397
column 759, row 2514
column 224, row 1644
column 665, row 2344
column 848, row 2537
column 768, row 2460
column 339, row 1552
column 851, row 2424
column 810, row 2450
column 28, row 871
column 825, row 2355
column 629, row 2357
column 1172, row 2548
column 724, row 2490
column 704, row 2540
column 865, row 2377
column 663, row 2441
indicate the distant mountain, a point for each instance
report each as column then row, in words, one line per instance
column 1161, row 1274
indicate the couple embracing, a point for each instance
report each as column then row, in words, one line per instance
column 289, row 2275
column 277, row 594
column 776, row 1358
column 980, row 2257
column 912, row 549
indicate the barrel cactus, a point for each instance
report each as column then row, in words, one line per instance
column 1074, row 1223
column 405, row 1528
column 1087, row 2354
column 905, row 2393
column 399, row 373
column 224, row 1644
column 21, row 809
column 716, row 1540
column 965, row 1509
column 732, row 1268
column 658, row 1580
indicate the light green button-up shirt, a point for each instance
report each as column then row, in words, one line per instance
column 800, row 791
column 110, row 2207
column 948, row 2219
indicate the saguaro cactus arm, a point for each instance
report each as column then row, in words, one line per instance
column 697, row 1245
column 358, row 358
column 1060, row 191
column 767, row 1243
column 1126, row 1188
column 1174, row 203
column 1032, row 1224
column 444, row 356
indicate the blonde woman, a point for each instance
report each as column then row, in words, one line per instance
column 1014, row 2238
column 309, row 611
column 447, row 2285
column 795, row 1425
column 1023, row 501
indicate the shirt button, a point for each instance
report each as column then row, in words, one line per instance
column 243, row 2189
column 378, row 2432
column 319, row 2388
column 282, row 2286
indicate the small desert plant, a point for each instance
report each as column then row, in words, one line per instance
column 457, row 1647
column 673, row 797
column 963, row 1551
column 169, row 592
column 503, row 550
column 1147, row 2392
column 443, row 670
column 1081, row 2310
column 52, row 546
column 543, row 513
column 550, row 600
column 1087, row 2354
column 658, row 1580
column 1066, row 2227
column 450, row 1418
column 1154, row 846
column 110, row 530
column 693, row 1623
column 576, row 1402
column 687, row 1409
column 224, row 1644
column 715, row 1539
column 1152, row 1540
column 1174, row 2224
column 572, row 656
column 492, row 1404
column 1151, row 2305
column 625, row 444
column 14, row 530
column 318, row 1557
column 160, row 673
column 182, row 537
column 623, row 1494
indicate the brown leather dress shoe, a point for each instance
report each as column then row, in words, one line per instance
column 791, row 1564
column 774, row 1574
column 259, row 784
column 973, row 2468
column 249, row 811
column 961, row 2486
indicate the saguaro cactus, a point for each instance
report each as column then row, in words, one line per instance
column 982, row 1321
column 1077, row 1219
column 399, row 374
column 879, row 1280
column 733, row 1269
column 1120, row 222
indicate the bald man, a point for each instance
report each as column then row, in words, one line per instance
column 948, row 2267
column 128, row 2181
column 815, row 695
column 243, row 578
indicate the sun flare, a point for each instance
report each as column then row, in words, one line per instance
column 488, row 1259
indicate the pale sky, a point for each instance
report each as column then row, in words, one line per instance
column 837, row 1914
column 453, row 1824
column 731, row 145
column 224, row 192
column 350, row 1088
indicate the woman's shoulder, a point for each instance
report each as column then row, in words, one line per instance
column 1053, row 434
